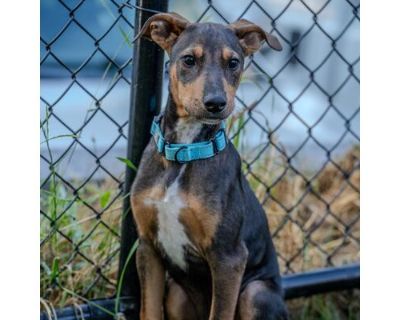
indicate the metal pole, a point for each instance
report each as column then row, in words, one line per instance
column 321, row 281
column 146, row 97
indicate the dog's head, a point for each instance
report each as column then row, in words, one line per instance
column 206, row 61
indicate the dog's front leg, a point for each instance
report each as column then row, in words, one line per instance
column 152, row 280
column 227, row 271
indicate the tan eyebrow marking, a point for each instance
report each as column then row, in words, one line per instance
column 198, row 51
column 226, row 53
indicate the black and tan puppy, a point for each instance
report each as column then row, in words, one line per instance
column 205, row 250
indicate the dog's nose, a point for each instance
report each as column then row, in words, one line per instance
column 215, row 104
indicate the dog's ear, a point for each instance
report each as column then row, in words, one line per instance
column 251, row 36
column 164, row 29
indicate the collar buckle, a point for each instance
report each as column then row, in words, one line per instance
column 177, row 152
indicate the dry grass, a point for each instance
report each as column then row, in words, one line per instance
column 332, row 306
column 313, row 224
column 307, row 236
column 86, row 243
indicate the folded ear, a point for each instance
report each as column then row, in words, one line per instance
column 164, row 29
column 251, row 36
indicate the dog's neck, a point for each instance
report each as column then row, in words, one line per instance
column 184, row 129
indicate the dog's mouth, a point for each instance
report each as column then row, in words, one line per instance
column 211, row 121
column 214, row 118
column 208, row 118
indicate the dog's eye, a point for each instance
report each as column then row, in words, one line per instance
column 189, row 61
column 233, row 63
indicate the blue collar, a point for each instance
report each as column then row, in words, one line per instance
column 183, row 153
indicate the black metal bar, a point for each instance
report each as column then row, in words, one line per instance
column 295, row 286
column 146, row 97
column 94, row 311
column 321, row 281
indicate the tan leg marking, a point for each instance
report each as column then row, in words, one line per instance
column 177, row 304
column 227, row 273
column 152, row 282
column 246, row 308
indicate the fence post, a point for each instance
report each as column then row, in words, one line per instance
column 146, row 94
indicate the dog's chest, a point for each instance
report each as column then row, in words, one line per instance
column 171, row 234
column 168, row 203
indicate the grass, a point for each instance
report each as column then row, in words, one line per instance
column 67, row 275
column 332, row 306
column 314, row 224
column 96, row 237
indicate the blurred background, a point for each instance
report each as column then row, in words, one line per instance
column 296, row 126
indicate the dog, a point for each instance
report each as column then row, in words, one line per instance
column 205, row 250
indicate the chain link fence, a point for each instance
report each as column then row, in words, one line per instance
column 296, row 127
column 86, row 66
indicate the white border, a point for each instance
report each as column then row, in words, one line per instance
column 380, row 124
column 19, row 166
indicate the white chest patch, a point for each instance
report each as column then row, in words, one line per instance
column 171, row 234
